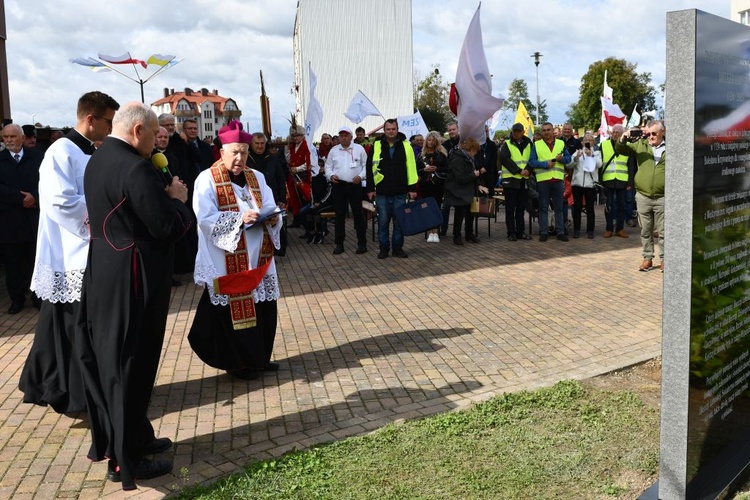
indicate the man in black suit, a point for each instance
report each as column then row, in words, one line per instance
column 134, row 223
column 19, row 213
column 198, row 151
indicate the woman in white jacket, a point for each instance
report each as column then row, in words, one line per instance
column 585, row 167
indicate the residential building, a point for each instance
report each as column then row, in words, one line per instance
column 209, row 109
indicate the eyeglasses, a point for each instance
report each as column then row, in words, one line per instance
column 650, row 134
column 109, row 122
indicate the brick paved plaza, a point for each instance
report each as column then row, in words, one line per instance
column 362, row 342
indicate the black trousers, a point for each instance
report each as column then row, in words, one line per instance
column 579, row 195
column 515, row 208
column 18, row 259
column 349, row 195
column 462, row 212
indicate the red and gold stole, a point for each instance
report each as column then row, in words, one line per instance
column 240, row 281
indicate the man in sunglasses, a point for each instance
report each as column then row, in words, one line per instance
column 649, row 152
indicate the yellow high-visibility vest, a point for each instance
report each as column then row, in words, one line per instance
column 520, row 159
column 617, row 170
column 411, row 164
column 544, row 154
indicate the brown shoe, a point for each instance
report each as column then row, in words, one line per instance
column 622, row 234
column 607, row 234
column 646, row 265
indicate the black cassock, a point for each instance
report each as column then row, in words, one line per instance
column 125, row 298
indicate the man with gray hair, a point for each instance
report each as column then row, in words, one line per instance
column 187, row 169
column 19, row 213
column 650, row 155
column 617, row 181
column 134, row 222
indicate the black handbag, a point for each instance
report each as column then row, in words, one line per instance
column 418, row 216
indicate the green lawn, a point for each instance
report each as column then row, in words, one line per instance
column 563, row 442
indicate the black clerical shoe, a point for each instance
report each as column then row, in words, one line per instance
column 399, row 252
column 157, row 446
column 361, row 249
column 272, row 366
column 15, row 308
column 146, row 469
column 338, row 250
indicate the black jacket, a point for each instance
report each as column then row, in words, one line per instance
column 274, row 168
column 394, row 169
column 19, row 224
column 504, row 160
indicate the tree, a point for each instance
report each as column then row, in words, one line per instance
column 434, row 120
column 518, row 91
column 431, row 99
column 628, row 88
column 543, row 115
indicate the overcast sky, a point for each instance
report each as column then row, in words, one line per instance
column 224, row 44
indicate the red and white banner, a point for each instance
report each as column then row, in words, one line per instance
column 612, row 113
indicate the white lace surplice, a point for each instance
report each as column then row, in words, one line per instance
column 220, row 231
column 63, row 236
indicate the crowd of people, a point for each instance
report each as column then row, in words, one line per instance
column 101, row 225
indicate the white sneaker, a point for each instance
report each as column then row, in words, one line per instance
column 431, row 238
column 436, row 238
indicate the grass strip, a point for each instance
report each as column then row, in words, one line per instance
column 565, row 441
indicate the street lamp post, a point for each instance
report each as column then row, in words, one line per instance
column 536, row 56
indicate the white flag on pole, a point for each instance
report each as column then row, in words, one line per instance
column 606, row 94
column 360, row 107
column 476, row 104
column 411, row 125
column 635, row 118
column 313, row 117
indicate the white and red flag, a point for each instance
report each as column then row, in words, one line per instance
column 123, row 59
column 611, row 113
column 476, row 104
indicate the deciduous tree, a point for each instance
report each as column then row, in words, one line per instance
column 518, row 91
column 431, row 99
column 628, row 88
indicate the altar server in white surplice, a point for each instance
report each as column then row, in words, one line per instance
column 51, row 375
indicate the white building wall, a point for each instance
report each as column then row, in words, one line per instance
column 740, row 11
column 354, row 45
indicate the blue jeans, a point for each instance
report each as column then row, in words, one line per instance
column 616, row 199
column 446, row 211
column 630, row 207
column 551, row 190
column 386, row 207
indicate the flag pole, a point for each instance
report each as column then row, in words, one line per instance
column 536, row 56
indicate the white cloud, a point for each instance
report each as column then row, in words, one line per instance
column 224, row 45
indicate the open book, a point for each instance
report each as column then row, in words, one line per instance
column 265, row 214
